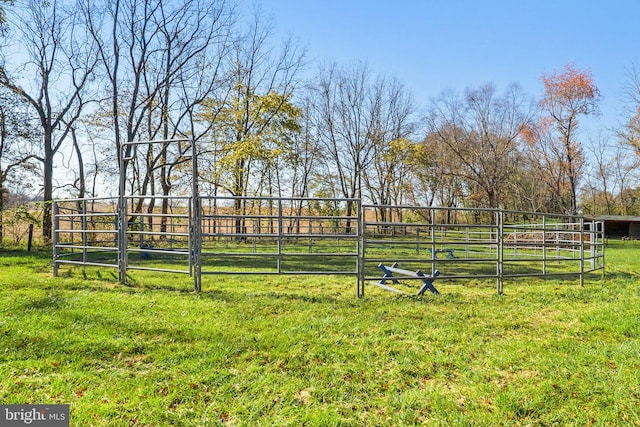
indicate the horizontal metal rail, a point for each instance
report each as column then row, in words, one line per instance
column 158, row 233
column 85, row 231
column 87, row 247
column 275, row 273
column 280, row 254
column 159, row 270
column 87, row 263
column 87, row 215
column 158, row 215
column 160, row 251
column 236, row 236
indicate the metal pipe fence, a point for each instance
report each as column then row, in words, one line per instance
column 301, row 236
column 466, row 243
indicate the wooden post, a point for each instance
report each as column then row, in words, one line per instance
column 30, row 241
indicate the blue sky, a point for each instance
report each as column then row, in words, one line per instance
column 433, row 45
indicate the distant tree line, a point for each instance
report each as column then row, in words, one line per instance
column 80, row 78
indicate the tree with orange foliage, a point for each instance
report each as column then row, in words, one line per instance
column 568, row 95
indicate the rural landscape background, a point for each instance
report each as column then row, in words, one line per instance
column 271, row 117
column 271, row 114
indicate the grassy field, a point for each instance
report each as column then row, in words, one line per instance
column 304, row 351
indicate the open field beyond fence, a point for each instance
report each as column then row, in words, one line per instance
column 301, row 350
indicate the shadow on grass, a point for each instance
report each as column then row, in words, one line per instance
column 297, row 297
column 21, row 253
column 108, row 283
column 49, row 302
column 39, row 260
column 621, row 274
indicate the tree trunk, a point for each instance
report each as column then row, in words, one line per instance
column 239, row 191
column 1, row 209
column 48, row 186
column 81, row 174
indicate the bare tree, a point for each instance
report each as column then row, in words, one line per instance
column 344, row 127
column 601, row 175
column 161, row 61
column 629, row 134
column 52, row 77
column 3, row 16
column 481, row 132
column 193, row 35
column 526, row 190
column 391, row 127
column 302, row 159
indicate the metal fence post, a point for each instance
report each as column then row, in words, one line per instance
column 196, row 243
column 122, row 240
column 500, row 242
column 544, row 244
column 195, row 229
column 360, row 249
column 72, row 220
column 581, row 223
column 279, row 259
column 593, row 241
column 122, row 218
column 433, row 241
column 602, row 242
column 56, row 237
column 191, row 231
column 84, row 230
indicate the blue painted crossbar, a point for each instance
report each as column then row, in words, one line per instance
column 427, row 281
column 449, row 253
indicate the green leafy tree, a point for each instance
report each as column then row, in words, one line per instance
column 256, row 132
column 252, row 126
column 251, row 134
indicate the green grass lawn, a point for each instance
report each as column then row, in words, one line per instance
column 304, row 351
